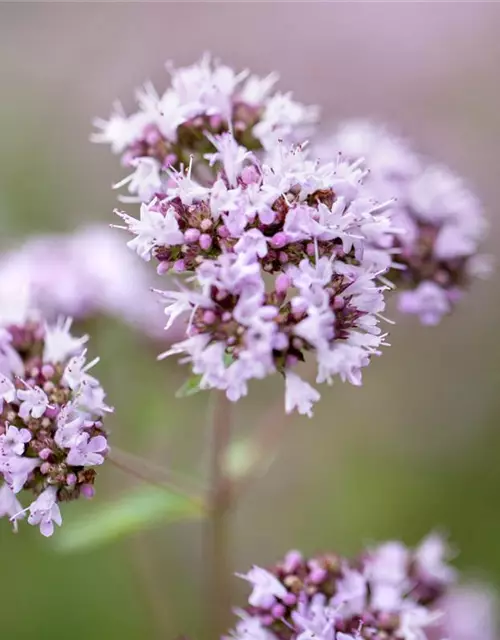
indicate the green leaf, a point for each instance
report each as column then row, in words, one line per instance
column 189, row 388
column 137, row 510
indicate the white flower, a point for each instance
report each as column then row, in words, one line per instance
column 59, row 343
column 266, row 587
column 75, row 372
column 153, row 228
column 414, row 620
column 299, row 395
column 68, row 430
column 430, row 560
column 284, row 119
column 252, row 243
column 250, row 628
column 351, row 593
column 14, row 440
column 10, row 505
column 44, row 511
column 388, row 563
column 16, row 470
column 256, row 90
column 230, row 154
column 187, row 189
column 119, row 131
column 34, row 402
column 86, row 451
column 145, row 181
column 7, row 390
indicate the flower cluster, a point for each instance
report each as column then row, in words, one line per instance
column 287, row 222
column 288, row 256
column 51, row 409
column 87, row 273
column 390, row 592
column 205, row 98
column 442, row 222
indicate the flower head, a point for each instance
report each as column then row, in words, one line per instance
column 441, row 223
column 331, row 598
column 51, row 435
column 303, row 224
column 205, row 100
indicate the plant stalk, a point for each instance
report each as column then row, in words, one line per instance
column 217, row 543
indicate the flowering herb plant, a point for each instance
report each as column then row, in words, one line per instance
column 281, row 247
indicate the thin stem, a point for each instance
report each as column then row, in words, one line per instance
column 217, row 597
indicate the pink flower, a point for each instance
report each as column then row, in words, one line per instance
column 14, row 441
column 10, row 505
column 34, row 402
column 430, row 560
column 44, row 511
column 299, row 395
column 266, row 588
column 86, row 451
column 7, row 390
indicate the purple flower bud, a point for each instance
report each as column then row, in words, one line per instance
column 51, row 412
column 209, row 317
column 152, row 136
column 163, row 267
column 282, row 283
column 338, row 303
column 45, row 454
column 292, row 561
column 290, row 599
column 205, row 241
column 215, row 121
column 223, row 231
column 179, row 266
column 170, row 159
column 206, row 224
column 71, row 479
column 291, row 361
column 48, row 371
column 191, row 235
column 278, row 611
column 279, row 240
column 280, row 342
column 87, row 491
column 318, row 575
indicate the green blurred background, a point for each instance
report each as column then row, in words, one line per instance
column 414, row 449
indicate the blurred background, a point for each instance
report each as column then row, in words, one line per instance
column 416, row 448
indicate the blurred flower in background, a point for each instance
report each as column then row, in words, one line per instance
column 84, row 274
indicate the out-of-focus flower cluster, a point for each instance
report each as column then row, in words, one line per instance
column 389, row 592
column 83, row 274
column 288, row 256
column 51, row 410
column 442, row 223
column 205, row 98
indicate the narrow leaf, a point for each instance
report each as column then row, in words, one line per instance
column 137, row 510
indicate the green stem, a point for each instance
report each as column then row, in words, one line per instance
column 217, row 599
